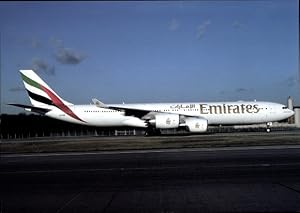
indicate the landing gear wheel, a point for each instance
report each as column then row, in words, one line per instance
column 151, row 131
column 269, row 124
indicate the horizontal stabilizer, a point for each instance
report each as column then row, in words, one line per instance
column 32, row 108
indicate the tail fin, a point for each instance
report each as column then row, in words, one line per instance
column 40, row 94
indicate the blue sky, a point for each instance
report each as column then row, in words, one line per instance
column 152, row 51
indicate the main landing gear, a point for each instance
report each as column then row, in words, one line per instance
column 151, row 131
column 269, row 124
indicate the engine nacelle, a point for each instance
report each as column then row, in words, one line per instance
column 196, row 124
column 166, row 121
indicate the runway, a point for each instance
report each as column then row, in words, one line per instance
column 188, row 180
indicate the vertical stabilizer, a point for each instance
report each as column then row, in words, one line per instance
column 40, row 94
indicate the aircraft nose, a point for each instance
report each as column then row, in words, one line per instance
column 288, row 112
column 291, row 112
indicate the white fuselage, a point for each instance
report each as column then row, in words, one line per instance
column 216, row 113
column 195, row 117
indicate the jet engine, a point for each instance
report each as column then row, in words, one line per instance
column 196, row 124
column 166, row 121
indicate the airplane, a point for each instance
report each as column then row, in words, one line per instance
column 195, row 117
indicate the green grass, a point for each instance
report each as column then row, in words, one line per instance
column 76, row 144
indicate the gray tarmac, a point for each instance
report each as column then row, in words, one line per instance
column 238, row 179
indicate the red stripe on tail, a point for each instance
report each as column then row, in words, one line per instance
column 57, row 102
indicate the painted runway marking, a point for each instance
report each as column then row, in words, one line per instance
column 153, row 151
column 133, row 169
column 67, row 203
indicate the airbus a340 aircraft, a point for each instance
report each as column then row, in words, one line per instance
column 195, row 117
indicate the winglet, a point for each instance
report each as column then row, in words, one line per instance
column 99, row 103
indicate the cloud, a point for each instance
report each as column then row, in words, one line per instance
column 17, row 89
column 68, row 56
column 35, row 43
column 202, row 28
column 174, row 25
column 39, row 64
column 288, row 82
column 291, row 81
column 240, row 90
column 222, row 92
column 237, row 25
column 56, row 43
column 65, row 55
column 237, row 90
column 30, row 42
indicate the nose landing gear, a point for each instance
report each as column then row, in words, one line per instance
column 269, row 124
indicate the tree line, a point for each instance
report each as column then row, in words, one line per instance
column 32, row 125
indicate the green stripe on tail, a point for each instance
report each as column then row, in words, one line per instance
column 31, row 82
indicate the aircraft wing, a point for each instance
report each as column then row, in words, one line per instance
column 140, row 113
column 31, row 108
column 147, row 114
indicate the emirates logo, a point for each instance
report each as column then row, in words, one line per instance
column 168, row 121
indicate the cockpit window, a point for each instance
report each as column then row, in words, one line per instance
column 284, row 107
